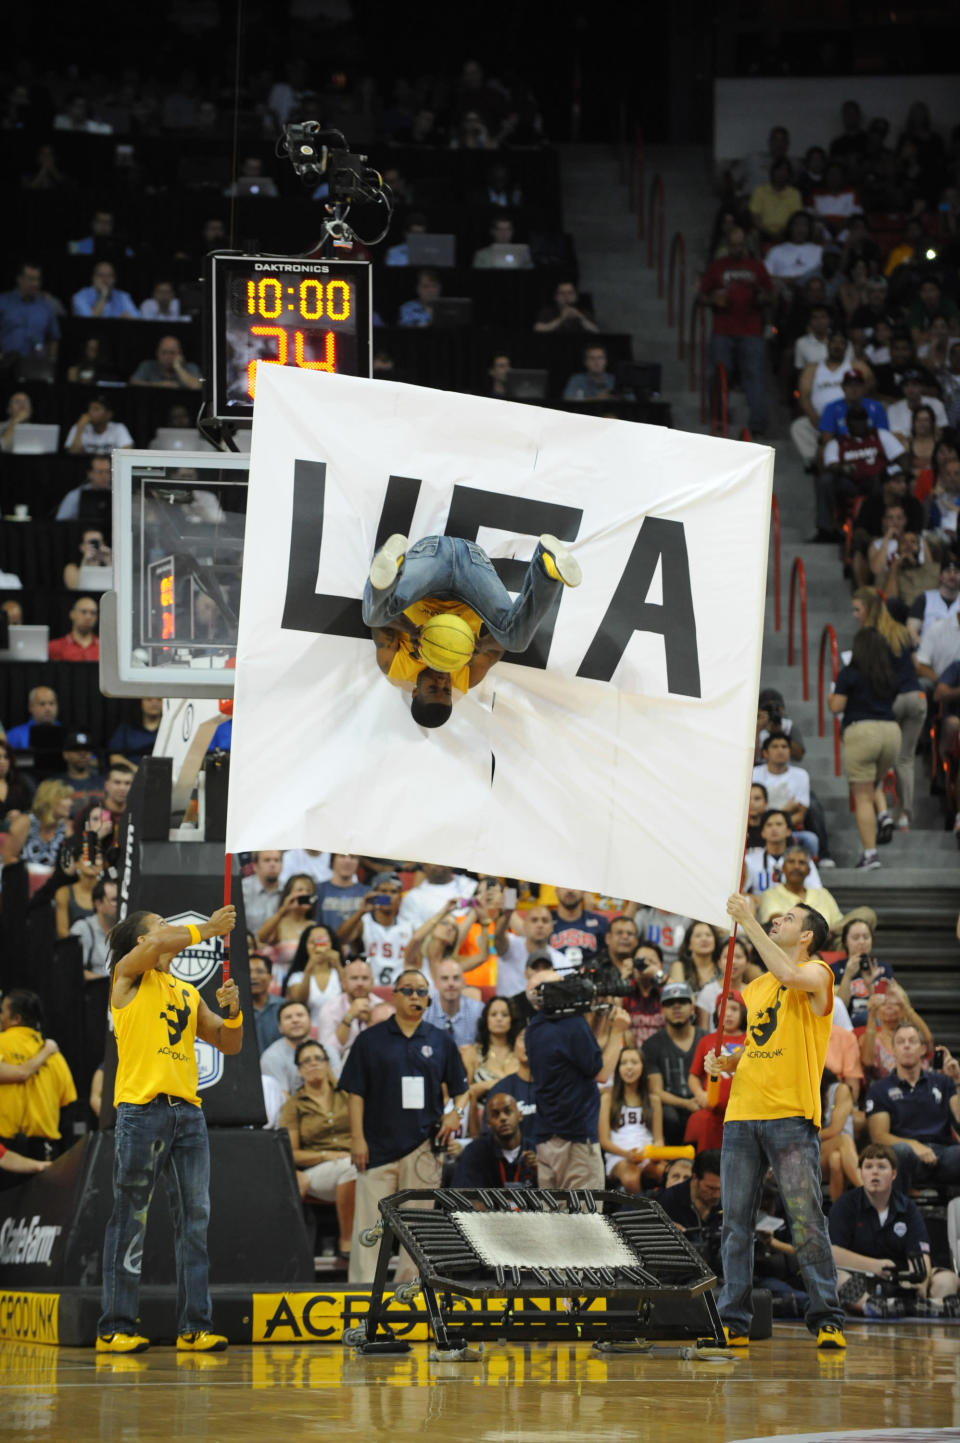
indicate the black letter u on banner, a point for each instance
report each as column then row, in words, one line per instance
column 304, row 608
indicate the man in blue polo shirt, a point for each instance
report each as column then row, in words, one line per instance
column 833, row 418
column 394, row 1077
column 876, row 1231
column 914, row 1112
column 577, row 933
column 566, row 1064
column 28, row 323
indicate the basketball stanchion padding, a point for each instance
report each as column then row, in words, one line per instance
column 446, row 642
column 586, row 1246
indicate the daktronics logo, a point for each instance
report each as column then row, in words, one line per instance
column 298, row 268
column 26, row 1242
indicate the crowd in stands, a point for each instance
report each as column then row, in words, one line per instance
column 834, row 280
column 332, row 938
column 859, row 317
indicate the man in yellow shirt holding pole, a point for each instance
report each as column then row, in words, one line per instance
column 773, row 1117
column 160, row 1125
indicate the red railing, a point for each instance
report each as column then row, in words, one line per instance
column 775, row 513
column 718, row 401
column 828, row 635
column 655, row 231
column 798, row 574
column 677, row 268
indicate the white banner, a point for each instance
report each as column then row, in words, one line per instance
column 620, row 761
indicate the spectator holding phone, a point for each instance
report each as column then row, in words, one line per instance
column 279, row 936
column 376, row 930
column 314, row 976
column 858, row 973
column 94, row 552
column 887, row 1007
column 438, row 886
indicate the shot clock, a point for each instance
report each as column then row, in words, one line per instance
column 313, row 314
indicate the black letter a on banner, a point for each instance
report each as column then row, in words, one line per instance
column 304, row 609
column 629, row 611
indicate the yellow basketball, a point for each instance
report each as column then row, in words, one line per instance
column 446, row 642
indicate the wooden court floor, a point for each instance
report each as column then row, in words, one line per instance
column 902, row 1378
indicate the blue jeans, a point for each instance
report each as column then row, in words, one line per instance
column 791, row 1146
column 153, row 1139
column 911, row 1172
column 449, row 568
column 745, row 356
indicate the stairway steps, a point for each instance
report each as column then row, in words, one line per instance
column 915, row 891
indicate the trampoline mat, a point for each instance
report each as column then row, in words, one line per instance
column 537, row 1240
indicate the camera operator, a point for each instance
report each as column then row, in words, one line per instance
column 881, row 1247
column 566, row 1064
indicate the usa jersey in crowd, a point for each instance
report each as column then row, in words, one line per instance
column 578, row 939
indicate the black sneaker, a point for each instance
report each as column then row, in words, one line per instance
column 885, row 829
column 869, row 862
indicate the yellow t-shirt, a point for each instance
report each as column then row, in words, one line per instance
column 33, row 1107
column 782, row 1064
column 405, row 667
column 155, row 1035
column 774, row 208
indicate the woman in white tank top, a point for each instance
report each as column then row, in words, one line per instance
column 630, row 1120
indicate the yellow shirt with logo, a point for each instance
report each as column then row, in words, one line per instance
column 33, row 1107
column 155, row 1034
column 405, row 667
column 782, row 1063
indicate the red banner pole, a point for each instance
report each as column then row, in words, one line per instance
column 713, row 1083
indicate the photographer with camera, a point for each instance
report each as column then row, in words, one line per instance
column 279, row 936
column 648, row 975
column 94, row 552
column 859, row 973
column 566, row 1064
column 376, row 932
column 881, row 1248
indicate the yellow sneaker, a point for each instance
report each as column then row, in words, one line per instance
column 203, row 1342
column 559, row 562
column 830, row 1336
column 129, row 1363
column 388, row 560
column 736, row 1340
column 122, row 1343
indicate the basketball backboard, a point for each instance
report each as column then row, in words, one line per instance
column 170, row 626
